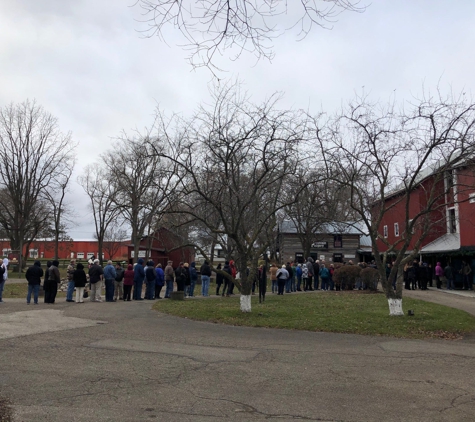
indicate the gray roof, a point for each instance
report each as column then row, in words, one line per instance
column 288, row 226
column 446, row 243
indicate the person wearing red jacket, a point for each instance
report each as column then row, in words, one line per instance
column 128, row 282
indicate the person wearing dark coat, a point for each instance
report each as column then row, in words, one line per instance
column 205, row 271
column 80, row 280
column 33, row 275
column 186, row 266
column 50, row 288
column 193, row 278
column 159, row 280
column 227, row 281
column 316, row 275
column 219, row 280
column 139, row 276
column 150, row 276
column 180, row 278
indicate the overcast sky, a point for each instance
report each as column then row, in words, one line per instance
column 86, row 63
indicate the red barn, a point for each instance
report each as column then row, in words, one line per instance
column 161, row 246
column 78, row 249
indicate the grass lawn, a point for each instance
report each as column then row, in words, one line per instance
column 19, row 291
column 338, row 312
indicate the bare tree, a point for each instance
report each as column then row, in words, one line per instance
column 59, row 208
column 143, row 183
column 234, row 157
column 385, row 156
column 114, row 237
column 99, row 188
column 34, row 154
column 212, row 27
column 320, row 201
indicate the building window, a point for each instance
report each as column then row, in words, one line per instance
column 338, row 241
column 385, row 232
column 396, row 229
column 452, row 221
column 471, row 198
column 6, row 252
column 33, row 253
column 80, row 255
column 90, row 255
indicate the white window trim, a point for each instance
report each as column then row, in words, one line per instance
column 471, row 198
column 396, row 229
column 385, row 231
column 78, row 255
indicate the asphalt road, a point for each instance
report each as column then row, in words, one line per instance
column 125, row 362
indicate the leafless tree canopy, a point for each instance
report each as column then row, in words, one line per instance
column 379, row 151
column 234, row 157
column 144, row 183
column 34, row 156
column 101, row 193
column 212, row 27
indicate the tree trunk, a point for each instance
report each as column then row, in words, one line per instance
column 394, row 297
column 246, row 285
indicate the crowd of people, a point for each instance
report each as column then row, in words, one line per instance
column 127, row 284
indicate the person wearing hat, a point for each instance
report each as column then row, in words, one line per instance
column 70, row 272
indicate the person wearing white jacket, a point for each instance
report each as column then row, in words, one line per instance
column 3, row 276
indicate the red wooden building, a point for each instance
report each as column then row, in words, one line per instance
column 452, row 222
column 78, row 249
column 161, row 246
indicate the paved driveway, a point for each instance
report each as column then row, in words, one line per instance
column 124, row 362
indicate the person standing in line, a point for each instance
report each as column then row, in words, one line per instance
column 282, row 277
column 305, row 281
column 193, row 278
column 54, row 277
column 128, row 282
column 298, row 273
column 33, row 276
column 180, row 277
column 325, row 276
column 219, row 279
column 169, row 279
column 273, row 278
column 186, row 267
column 439, row 272
column 316, row 274
column 205, row 271
column 150, row 276
column 119, row 283
column 109, row 276
column 139, row 276
column 288, row 283
column 310, row 273
column 467, row 276
column 159, row 280
column 449, row 275
column 234, row 273
column 227, row 280
column 96, row 275
column 69, row 275
column 3, row 278
column 50, row 292
column 79, row 280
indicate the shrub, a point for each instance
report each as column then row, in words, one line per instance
column 370, row 277
column 346, row 276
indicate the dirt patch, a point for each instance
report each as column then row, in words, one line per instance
column 6, row 414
